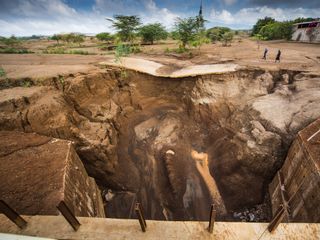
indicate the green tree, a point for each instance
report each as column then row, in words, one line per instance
column 153, row 32
column 227, row 38
column 187, row 30
column 126, row 26
column 261, row 23
column 174, row 35
column 104, row 36
column 56, row 37
column 277, row 30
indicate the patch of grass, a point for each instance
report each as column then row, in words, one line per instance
column 81, row 52
column 2, row 72
column 26, row 84
column 179, row 50
column 63, row 51
column 15, row 51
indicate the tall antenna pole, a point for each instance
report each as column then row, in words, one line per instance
column 200, row 12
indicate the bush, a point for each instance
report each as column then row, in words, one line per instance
column 104, row 36
column 227, row 38
column 68, row 38
column 216, row 34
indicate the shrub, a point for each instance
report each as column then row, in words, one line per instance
column 216, row 33
column 122, row 51
column 104, row 36
column 227, row 38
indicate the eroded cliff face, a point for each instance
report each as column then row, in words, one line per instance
column 175, row 145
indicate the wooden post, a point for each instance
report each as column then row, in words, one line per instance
column 212, row 218
column 140, row 216
column 12, row 215
column 277, row 219
column 68, row 215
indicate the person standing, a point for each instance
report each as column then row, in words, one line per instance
column 278, row 56
column 265, row 54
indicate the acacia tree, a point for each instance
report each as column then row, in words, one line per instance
column 186, row 30
column 153, row 32
column 78, row 38
column 56, row 37
column 126, row 26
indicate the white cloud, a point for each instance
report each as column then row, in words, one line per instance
column 248, row 16
column 43, row 8
column 229, row 2
column 84, row 23
column 155, row 14
column 46, row 17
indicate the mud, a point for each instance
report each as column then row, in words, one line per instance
column 176, row 145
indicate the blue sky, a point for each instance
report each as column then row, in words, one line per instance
column 46, row 17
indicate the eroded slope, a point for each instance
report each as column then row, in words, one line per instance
column 175, row 145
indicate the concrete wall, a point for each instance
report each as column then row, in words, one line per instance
column 300, row 34
column 300, row 178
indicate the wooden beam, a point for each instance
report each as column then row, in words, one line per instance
column 140, row 216
column 68, row 215
column 276, row 219
column 12, row 215
column 212, row 218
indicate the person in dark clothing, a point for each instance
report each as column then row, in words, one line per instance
column 265, row 54
column 278, row 56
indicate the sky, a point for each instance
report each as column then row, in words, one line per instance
column 46, row 17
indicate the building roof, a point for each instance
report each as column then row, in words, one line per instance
column 316, row 21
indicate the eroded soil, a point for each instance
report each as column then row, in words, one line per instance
column 174, row 144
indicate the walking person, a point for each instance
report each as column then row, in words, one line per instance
column 278, row 56
column 265, row 54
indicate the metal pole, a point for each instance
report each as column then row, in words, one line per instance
column 212, row 218
column 140, row 216
column 68, row 215
column 12, row 215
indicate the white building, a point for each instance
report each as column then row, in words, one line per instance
column 306, row 32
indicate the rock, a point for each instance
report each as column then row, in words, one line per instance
column 52, row 172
